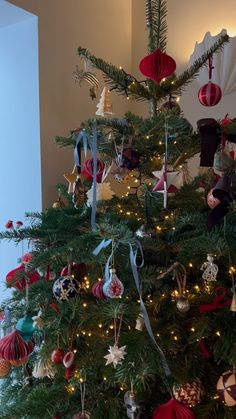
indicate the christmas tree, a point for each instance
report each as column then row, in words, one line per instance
column 124, row 307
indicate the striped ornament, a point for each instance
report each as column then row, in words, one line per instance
column 226, row 388
column 209, row 94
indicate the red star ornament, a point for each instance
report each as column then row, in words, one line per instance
column 168, row 182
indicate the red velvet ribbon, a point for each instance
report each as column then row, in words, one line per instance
column 217, row 303
column 210, row 67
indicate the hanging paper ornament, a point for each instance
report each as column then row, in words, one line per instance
column 210, row 269
column 68, row 359
column 157, row 65
column 87, row 169
column 14, row 348
column 43, row 369
column 226, row 388
column 133, row 410
column 173, row 410
column 78, row 192
column 65, row 288
column 37, row 320
column 25, row 327
column 103, row 193
column 104, row 106
column 168, row 182
column 18, row 277
column 113, row 287
column 116, row 355
column 139, row 322
column 85, row 75
column 57, row 356
column 71, row 178
column 97, row 289
column 190, row 394
column 5, row 367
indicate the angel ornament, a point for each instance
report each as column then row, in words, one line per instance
column 210, row 269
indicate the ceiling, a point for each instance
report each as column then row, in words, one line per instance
column 10, row 14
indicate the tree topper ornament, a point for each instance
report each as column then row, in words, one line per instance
column 210, row 269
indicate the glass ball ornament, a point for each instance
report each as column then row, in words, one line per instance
column 183, row 305
column 26, row 327
column 65, row 288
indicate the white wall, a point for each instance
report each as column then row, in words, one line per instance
column 102, row 26
column 20, row 172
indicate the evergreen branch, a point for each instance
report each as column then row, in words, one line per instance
column 65, row 141
column 156, row 11
column 118, row 79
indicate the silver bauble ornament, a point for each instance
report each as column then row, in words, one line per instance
column 183, row 304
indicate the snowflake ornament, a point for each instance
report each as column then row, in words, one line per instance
column 116, row 355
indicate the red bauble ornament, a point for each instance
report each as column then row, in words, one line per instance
column 87, row 169
column 9, row 224
column 209, row 94
column 70, row 372
column 57, row 356
column 97, row 290
column 173, row 410
column 5, row 367
column 157, row 65
column 16, row 278
column 14, row 348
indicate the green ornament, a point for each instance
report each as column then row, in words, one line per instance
column 25, row 327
